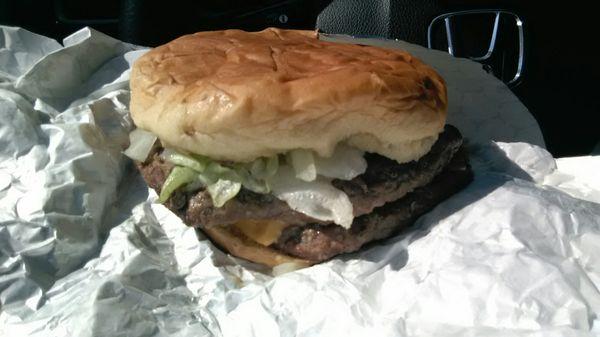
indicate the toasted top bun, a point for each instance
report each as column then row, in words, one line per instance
column 234, row 95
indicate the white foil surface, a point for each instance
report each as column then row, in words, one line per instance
column 86, row 251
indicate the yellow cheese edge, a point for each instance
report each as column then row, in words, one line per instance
column 264, row 232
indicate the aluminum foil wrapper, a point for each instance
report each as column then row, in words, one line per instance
column 86, row 251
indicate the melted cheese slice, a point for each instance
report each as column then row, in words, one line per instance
column 264, row 232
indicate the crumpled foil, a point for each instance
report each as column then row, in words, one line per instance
column 86, row 251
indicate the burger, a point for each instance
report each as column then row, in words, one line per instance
column 283, row 148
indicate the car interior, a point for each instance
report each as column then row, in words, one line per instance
column 364, row 168
column 542, row 51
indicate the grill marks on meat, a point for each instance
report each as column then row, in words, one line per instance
column 384, row 181
column 319, row 242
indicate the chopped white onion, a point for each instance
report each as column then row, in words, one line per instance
column 140, row 144
column 317, row 198
column 303, row 162
column 345, row 163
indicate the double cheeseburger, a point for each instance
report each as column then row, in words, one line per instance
column 283, row 148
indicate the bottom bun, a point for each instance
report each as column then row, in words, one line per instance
column 237, row 244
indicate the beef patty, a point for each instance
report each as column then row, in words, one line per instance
column 318, row 242
column 387, row 197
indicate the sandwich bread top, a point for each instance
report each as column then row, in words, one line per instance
column 235, row 95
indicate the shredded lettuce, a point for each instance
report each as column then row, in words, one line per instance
column 178, row 177
column 197, row 163
column 218, row 171
column 220, row 181
column 223, row 191
column 252, row 182
column 303, row 181
column 263, row 168
column 272, row 166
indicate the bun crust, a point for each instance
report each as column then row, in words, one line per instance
column 234, row 95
